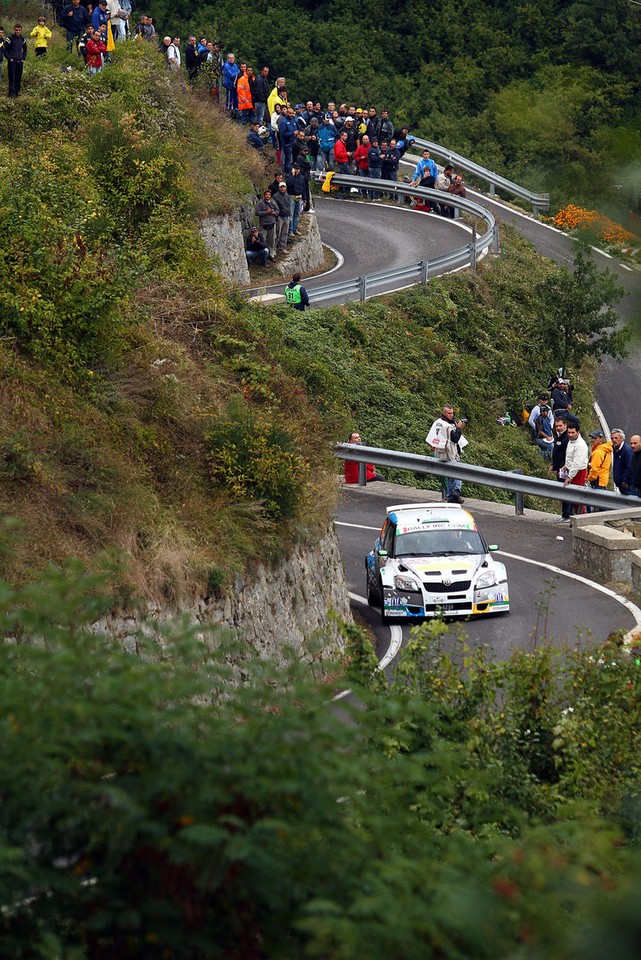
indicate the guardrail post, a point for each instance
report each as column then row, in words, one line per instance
column 495, row 240
column 362, row 288
column 362, row 474
column 536, row 209
column 424, row 270
column 472, row 249
column 492, row 190
column 519, row 498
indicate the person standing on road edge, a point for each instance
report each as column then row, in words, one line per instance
column 575, row 468
column 558, row 460
column 622, row 463
column 635, row 446
column 600, row 461
column 296, row 295
column 444, row 438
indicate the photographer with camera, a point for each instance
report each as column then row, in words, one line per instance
column 446, row 439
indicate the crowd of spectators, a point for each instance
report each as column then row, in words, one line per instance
column 557, row 433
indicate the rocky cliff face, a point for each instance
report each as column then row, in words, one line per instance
column 300, row 598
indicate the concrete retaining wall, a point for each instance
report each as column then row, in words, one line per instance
column 604, row 544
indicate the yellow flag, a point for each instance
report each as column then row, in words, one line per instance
column 327, row 182
column 110, row 39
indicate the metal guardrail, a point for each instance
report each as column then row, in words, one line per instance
column 360, row 288
column 539, row 201
column 502, row 480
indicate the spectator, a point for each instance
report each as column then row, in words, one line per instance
column 445, row 439
column 575, row 468
column 457, row 190
column 164, row 48
column 311, row 139
column 42, row 34
column 635, row 446
column 82, row 43
column 373, row 123
column 267, row 213
column 341, row 157
column 326, row 141
column 543, row 399
column 253, row 137
column 543, row 436
column 390, row 157
column 213, row 63
column 296, row 295
column 375, row 167
column 350, row 467
column 193, row 59
column 94, row 51
column 75, row 19
column 276, row 182
column 99, row 15
column 286, row 132
column 361, row 161
column 15, row 53
column 352, row 137
column 446, row 178
column 230, row 73
column 120, row 14
column 261, row 94
column 173, row 54
column 561, row 399
column 245, row 103
column 600, row 461
column 273, row 126
column 256, row 248
column 385, row 127
column 622, row 463
column 283, row 204
column 278, row 95
column 295, row 184
column 425, row 172
column 561, row 439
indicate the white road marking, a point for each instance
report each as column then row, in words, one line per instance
column 625, row 266
column 632, row 607
column 359, row 526
column 396, row 638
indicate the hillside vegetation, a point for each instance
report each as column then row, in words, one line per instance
column 146, row 409
column 545, row 93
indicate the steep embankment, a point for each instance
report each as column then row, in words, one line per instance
column 146, row 409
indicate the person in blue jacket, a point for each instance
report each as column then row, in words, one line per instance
column 286, row 133
column 327, row 137
column 99, row 16
column 425, row 172
column 230, row 73
column 622, row 463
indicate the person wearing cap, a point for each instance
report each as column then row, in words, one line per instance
column 561, row 399
column 600, row 462
column 543, row 435
column 296, row 295
column 100, row 15
column 542, row 399
column 256, row 248
column 352, row 137
column 374, row 167
column 622, row 463
column 635, row 446
column 164, row 47
column 284, row 206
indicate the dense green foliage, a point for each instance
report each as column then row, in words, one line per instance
column 547, row 93
column 466, row 813
column 477, row 341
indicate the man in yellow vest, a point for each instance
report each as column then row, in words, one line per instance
column 295, row 295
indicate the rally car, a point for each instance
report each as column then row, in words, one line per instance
column 430, row 559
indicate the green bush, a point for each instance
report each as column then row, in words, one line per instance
column 254, row 458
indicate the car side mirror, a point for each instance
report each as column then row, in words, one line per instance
column 493, row 547
column 383, row 553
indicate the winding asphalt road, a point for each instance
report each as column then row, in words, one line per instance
column 548, row 601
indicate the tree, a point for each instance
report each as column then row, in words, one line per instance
column 579, row 311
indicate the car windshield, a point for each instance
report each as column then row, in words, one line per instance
column 423, row 543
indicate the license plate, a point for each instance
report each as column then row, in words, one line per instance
column 447, row 606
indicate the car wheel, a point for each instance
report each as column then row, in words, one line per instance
column 384, row 616
column 372, row 595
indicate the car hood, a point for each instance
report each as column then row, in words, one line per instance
column 452, row 567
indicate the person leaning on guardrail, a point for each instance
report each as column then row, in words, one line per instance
column 350, row 467
column 425, row 172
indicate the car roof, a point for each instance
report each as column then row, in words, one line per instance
column 410, row 517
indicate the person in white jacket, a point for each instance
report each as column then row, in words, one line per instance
column 577, row 457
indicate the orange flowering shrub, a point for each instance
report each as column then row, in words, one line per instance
column 573, row 217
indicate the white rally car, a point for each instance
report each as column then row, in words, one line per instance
column 430, row 559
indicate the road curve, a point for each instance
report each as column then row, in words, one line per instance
column 545, row 605
column 375, row 237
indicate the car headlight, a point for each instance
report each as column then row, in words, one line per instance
column 487, row 579
column 405, row 583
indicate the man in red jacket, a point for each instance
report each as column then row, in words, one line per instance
column 342, row 158
column 350, row 467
